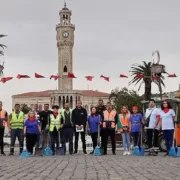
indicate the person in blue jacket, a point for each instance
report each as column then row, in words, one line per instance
column 93, row 121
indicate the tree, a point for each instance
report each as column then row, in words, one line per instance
column 145, row 71
column 2, row 46
column 124, row 97
column 25, row 109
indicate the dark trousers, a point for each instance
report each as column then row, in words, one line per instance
column 2, row 139
column 31, row 140
column 38, row 140
column 82, row 139
column 102, row 138
column 168, row 137
column 54, row 135
column 67, row 136
column 20, row 135
column 109, row 133
column 94, row 139
column 152, row 141
column 136, row 138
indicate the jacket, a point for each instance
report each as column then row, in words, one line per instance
column 79, row 116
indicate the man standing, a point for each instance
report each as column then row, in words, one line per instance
column 110, row 119
column 15, row 126
column 79, row 119
column 3, row 121
column 100, row 109
column 152, row 128
column 67, row 127
column 44, row 117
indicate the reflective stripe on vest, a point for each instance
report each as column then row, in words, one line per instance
column 54, row 122
column 109, row 119
column 2, row 117
column 17, row 122
column 63, row 116
column 124, row 120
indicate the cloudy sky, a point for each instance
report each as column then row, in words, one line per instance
column 110, row 36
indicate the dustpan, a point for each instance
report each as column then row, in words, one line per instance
column 97, row 150
column 25, row 153
column 60, row 149
column 47, row 151
column 39, row 150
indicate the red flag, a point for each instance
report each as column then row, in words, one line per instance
column 38, row 76
column 71, row 75
column 139, row 75
column 89, row 78
column 105, row 78
column 154, row 78
column 19, row 76
column 172, row 75
column 5, row 79
column 55, row 77
column 123, row 76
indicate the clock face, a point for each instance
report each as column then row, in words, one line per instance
column 65, row 34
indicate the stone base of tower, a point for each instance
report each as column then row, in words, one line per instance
column 65, row 96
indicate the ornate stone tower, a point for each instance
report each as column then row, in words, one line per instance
column 65, row 41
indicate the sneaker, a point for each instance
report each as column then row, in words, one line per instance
column 85, row 152
column 11, row 154
column 128, row 153
column 125, row 153
column 91, row 152
column 2, row 153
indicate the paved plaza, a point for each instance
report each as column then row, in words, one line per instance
column 88, row 167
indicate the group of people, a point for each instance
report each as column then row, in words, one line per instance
column 59, row 127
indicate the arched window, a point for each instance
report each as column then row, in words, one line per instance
column 65, row 69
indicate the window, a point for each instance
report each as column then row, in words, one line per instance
column 65, row 69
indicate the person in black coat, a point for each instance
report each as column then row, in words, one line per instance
column 79, row 119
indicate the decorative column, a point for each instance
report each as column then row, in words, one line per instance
column 74, row 101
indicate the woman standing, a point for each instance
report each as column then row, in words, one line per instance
column 167, row 118
column 32, row 130
column 136, row 126
column 93, row 121
column 123, row 125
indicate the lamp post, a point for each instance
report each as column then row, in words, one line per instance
column 157, row 69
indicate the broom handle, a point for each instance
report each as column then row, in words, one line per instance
column 98, row 139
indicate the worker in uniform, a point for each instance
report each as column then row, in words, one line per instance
column 3, row 121
column 16, row 128
column 109, row 121
column 67, row 127
column 54, row 127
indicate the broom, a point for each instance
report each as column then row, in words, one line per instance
column 47, row 151
column 97, row 150
column 25, row 152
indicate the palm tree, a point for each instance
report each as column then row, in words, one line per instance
column 2, row 46
column 146, row 79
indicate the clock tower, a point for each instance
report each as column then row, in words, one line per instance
column 65, row 41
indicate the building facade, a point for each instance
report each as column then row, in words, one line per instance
column 65, row 93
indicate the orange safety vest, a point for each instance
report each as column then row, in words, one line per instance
column 124, row 120
column 109, row 119
column 2, row 117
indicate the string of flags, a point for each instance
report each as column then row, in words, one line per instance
column 71, row 75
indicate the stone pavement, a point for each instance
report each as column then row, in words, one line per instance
column 88, row 167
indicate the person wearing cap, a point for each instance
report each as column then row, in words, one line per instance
column 100, row 109
column 31, row 130
column 136, row 120
column 54, row 127
column 67, row 127
column 3, row 121
column 16, row 128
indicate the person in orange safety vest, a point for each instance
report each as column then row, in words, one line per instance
column 109, row 121
column 3, row 122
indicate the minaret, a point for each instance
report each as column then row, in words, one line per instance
column 65, row 41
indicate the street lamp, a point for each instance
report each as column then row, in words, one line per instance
column 157, row 69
